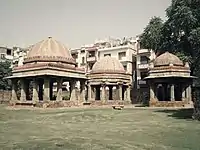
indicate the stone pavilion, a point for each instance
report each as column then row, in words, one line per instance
column 48, row 61
column 108, row 82
column 170, row 82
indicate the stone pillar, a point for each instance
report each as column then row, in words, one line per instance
column 82, row 93
column 152, row 92
column 103, row 92
column 183, row 92
column 73, row 90
column 23, row 90
column 128, row 93
column 120, row 92
column 46, row 95
column 59, row 89
column 35, row 90
column 14, row 90
column 172, row 96
column 89, row 92
column 189, row 93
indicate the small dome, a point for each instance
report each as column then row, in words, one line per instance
column 49, row 50
column 166, row 59
column 108, row 65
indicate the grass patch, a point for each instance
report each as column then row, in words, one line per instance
column 96, row 129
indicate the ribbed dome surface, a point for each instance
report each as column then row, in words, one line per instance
column 49, row 50
column 108, row 65
column 166, row 59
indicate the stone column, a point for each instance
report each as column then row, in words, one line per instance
column 73, row 91
column 103, row 92
column 14, row 90
column 120, row 92
column 82, row 93
column 172, row 96
column 59, row 89
column 183, row 92
column 189, row 93
column 152, row 92
column 89, row 92
column 46, row 95
column 128, row 93
column 35, row 97
column 23, row 90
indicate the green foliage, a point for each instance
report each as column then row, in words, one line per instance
column 5, row 71
column 179, row 34
column 151, row 37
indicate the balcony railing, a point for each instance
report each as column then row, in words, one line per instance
column 142, row 82
column 143, row 66
column 91, row 59
column 140, row 51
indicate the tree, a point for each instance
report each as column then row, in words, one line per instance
column 5, row 71
column 151, row 37
column 179, row 34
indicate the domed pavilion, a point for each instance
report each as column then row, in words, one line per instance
column 48, row 61
column 170, row 82
column 108, row 82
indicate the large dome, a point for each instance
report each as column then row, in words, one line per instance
column 108, row 65
column 49, row 50
column 166, row 59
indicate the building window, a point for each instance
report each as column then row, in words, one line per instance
column 82, row 51
column 75, row 56
column 83, row 61
column 107, row 55
column 144, row 60
column 125, row 67
column 9, row 51
column 92, row 54
column 3, row 56
column 121, row 55
column 143, row 74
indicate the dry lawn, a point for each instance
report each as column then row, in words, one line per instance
column 98, row 129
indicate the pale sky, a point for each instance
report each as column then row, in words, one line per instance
column 74, row 22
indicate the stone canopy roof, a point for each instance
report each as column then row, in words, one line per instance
column 167, row 59
column 49, row 50
column 108, row 65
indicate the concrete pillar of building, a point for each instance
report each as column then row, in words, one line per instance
column 120, row 92
column 82, row 91
column 59, row 89
column 172, row 96
column 73, row 90
column 14, row 90
column 35, row 97
column 23, row 90
column 46, row 95
column 103, row 92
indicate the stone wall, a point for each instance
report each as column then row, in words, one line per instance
column 5, row 96
column 169, row 104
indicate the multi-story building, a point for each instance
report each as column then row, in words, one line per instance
column 19, row 54
column 134, row 59
column 6, row 54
